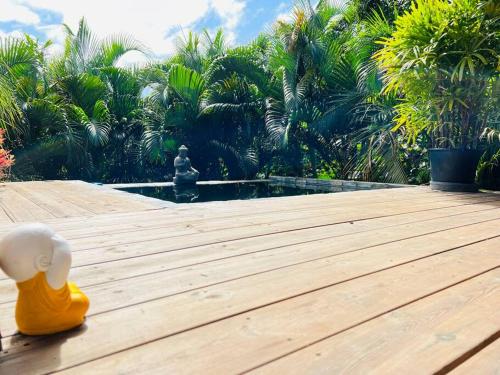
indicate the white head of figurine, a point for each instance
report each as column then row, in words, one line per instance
column 33, row 248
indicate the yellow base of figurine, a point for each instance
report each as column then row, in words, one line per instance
column 42, row 310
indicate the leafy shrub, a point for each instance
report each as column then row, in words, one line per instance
column 443, row 57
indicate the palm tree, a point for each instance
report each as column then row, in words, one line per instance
column 120, row 158
column 374, row 152
column 201, row 98
column 68, row 114
column 21, row 64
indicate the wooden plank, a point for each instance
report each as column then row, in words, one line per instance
column 368, row 233
column 280, row 205
column 487, row 361
column 50, row 197
column 294, row 220
column 348, row 198
column 300, row 303
column 69, row 187
column 247, row 340
column 424, row 337
column 160, row 244
column 94, row 198
column 165, row 227
column 5, row 219
column 170, row 293
column 97, row 252
column 159, row 221
column 48, row 202
column 87, row 197
column 371, row 232
column 102, row 223
column 19, row 208
column 151, row 285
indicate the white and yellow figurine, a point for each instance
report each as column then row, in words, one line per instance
column 39, row 260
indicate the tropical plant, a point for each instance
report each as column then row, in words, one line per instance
column 305, row 98
column 340, row 121
column 66, row 114
column 201, row 98
column 390, row 9
column 21, row 76
column 302, row 55
column 443, row 57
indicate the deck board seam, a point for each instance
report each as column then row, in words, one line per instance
column 272, row 303
column 419, row 244
column 318, row 239
column 29, row 198
column 86, row 204
column 282, row 247
column 291, row 230
column 297, row 243
column 293, row 296
column 9, row 215
column 468, row 354
column 303, row 262
column 299, row 294
column 87, row 208
column 376, row 317
column 222, row 241
column 201, row 220
column 181, row 208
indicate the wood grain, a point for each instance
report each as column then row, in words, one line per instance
column 249, row 339
column 373, row 281
column 485, row 362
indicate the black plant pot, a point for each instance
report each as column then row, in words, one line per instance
column 454, row 169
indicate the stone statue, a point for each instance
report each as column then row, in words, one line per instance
column 39, row 260
column 184, row 172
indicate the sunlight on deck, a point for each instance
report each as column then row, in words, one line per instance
column 367, row 281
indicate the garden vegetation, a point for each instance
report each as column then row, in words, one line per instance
column 351, row 91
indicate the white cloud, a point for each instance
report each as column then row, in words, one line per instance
column 12, row 34
column 132, row 58
column 230, row 11
column 156, row 23
column 11, row 10
column 284, row 17
column 284, row 12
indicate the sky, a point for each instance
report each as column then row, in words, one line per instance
column 155, row 23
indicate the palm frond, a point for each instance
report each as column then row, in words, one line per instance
column 187, row 84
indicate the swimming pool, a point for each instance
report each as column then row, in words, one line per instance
column 220, row 192
column 208, row 191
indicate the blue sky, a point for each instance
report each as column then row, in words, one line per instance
column 156, row 23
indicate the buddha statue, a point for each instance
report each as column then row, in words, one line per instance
column 39, row 261
column 184, row 172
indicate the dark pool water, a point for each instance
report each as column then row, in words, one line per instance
column 219, row 192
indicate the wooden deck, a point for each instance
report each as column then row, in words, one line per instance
column 384, row 281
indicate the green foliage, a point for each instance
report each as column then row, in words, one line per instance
column 59, row 115
column 390, row 8
column 305, row 98
column 488, row 173
column 20, row 67
column 443, row 56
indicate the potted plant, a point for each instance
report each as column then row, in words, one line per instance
column 443, row 61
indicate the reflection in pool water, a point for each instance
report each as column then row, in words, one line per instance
column 186, row 193
column 219, row 192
